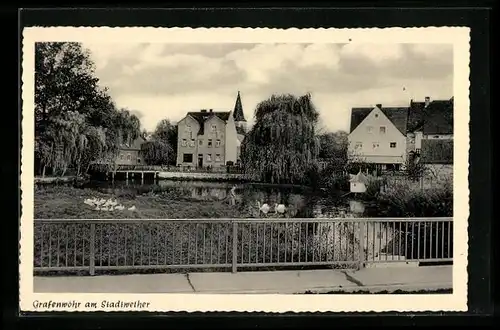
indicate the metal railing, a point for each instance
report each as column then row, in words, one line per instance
column 118, row 244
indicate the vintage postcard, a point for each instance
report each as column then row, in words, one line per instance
column 239, row 169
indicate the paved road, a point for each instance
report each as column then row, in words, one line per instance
column 284, row 282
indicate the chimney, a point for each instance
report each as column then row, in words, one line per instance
column 203, row 110
column 427, row 101
column 379, row 106
column 211, row 110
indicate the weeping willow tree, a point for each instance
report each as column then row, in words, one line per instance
column 76, row 121
column 282, row 145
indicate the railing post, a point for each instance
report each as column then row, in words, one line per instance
column 361, row 240
column 235, row 246
column 92, row 250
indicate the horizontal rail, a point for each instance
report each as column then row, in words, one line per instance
column 147, row 244
column 243, row 220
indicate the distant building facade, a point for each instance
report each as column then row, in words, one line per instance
column 387, row 136
column 130, row 153
column 210, row 138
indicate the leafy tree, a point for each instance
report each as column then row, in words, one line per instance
column 76, row 121
column 156, row 152
column 282, row 145
column 161, row 148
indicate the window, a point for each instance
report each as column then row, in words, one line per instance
column 393, row 144
column 382, row 129
column 209, row 157
column 187, row 158
column 217, row 143
column 217, row 157
column 214, row 128
column 138, row 160
column 188, row 128
column 200, row 142
column 376, row 115
column 121, row 156
column 184, row 142
column 417, row 151
column 209, row 143
column 375, row 145
column 396, row 167
column 359, row 145
column 369, row 129
column 192, row 143
column 129, row 157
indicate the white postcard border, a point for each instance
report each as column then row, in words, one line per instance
column 457, row 301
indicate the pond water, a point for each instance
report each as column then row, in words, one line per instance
column 299, row 201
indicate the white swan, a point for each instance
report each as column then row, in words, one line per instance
column 264, row 208
column 119, row 207
column 279, row 208
column 132, row 208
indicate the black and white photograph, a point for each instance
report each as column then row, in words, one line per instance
column 297, row 163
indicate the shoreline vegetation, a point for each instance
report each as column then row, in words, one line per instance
column 296, row 240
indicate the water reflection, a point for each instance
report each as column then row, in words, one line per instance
column 299, row 201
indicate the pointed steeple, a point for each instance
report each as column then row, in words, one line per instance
column 238, row 110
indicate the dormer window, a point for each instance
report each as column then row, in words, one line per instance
column 382, row 129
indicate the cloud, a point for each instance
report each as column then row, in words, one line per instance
column 167, row 80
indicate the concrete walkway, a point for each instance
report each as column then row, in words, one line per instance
column 284, row 282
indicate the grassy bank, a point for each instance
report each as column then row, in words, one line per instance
column 66, row 202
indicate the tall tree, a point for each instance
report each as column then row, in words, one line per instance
column 76, row 121
column 282, row 145
column 167, row 133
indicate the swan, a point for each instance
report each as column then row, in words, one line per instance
column 104, row 208
column 97, row 208
column 279, row 208
column 132, row 208
column 119, row 207
column 264, row 208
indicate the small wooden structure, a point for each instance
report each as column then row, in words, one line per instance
column 358, row 183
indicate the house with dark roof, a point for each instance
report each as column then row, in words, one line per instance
column 209, row 138
column 430, row 130
column 386, row 136
column 378, row 136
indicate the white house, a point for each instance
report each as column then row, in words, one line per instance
column 378, row 136
column 358, row 183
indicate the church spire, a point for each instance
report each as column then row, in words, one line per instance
column 238, row 110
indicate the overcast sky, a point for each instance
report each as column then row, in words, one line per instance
column 159, row 81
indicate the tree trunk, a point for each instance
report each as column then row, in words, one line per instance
column 43, row 170
column 64, row 170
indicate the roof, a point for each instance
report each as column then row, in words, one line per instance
column 436, row 118
column 202, row 116
column 238, row 114
column 439, row 118
column 360, row 177
column 397, row 115
column 436, row 151
column 135, row 145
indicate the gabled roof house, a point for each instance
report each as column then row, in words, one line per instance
column 385, row 135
